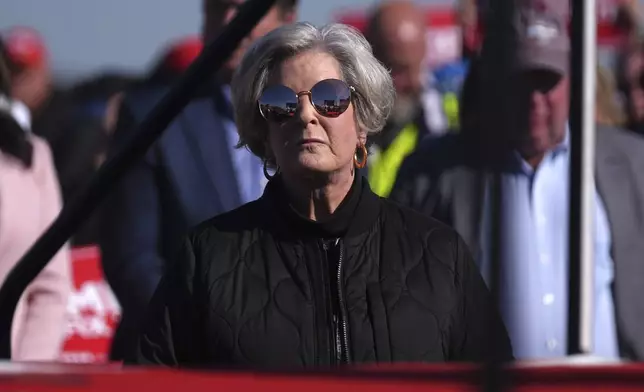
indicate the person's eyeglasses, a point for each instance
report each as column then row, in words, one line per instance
column 329, row 97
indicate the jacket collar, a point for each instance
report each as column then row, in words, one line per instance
column 356, row 214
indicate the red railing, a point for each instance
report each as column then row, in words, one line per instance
column 71, row 378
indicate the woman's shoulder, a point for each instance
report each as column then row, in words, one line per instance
column 401, row 214
column 245, row 219
column 220, row 243
column 430, row 231
column 433, row 242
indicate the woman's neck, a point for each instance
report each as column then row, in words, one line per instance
column 318, row 198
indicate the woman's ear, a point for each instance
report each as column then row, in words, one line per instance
column 362, row 138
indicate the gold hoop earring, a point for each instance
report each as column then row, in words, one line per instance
column 356, row 161
column 266, row 173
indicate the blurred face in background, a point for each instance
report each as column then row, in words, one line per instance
column 218, row 13
column 405, row 58
column 31, row 85
column 112, row 112
column 545, row 98
column 633, row 86
column 28, row 61
column 397, row 33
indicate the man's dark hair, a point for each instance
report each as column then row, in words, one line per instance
column 102, row 86
column 287, row 6
column 14, row 140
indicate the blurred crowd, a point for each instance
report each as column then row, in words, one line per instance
column 53, row 140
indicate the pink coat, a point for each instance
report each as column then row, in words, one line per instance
column 29, row 202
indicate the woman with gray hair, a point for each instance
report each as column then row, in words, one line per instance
column 319, row 271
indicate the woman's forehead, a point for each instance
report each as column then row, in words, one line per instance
column 303, row 71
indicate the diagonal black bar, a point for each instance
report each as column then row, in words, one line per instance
column 81, row 206
column 497, row 104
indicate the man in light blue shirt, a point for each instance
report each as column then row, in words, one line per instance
column 448, row 179
column 534, row 279
column 534, row 183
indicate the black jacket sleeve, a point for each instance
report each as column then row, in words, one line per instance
column 171, row 331
column 479, row 333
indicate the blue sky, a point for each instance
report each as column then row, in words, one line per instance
column 87, row 36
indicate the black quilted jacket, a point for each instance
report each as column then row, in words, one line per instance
column 262, row 287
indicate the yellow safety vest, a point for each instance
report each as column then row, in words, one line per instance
column 384, row 165
column 450, row 107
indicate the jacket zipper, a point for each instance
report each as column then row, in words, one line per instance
column 339, row 317
column 343, row 311
column 335, row 330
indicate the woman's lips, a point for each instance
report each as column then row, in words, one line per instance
column 310, row 141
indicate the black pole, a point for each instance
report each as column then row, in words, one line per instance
column 576, row 181
column 496, row 103
column 81, row 206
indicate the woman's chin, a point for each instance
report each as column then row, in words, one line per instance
column 314, row 163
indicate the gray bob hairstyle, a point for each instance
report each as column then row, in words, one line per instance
column 373, row 98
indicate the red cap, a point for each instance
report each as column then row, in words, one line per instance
column 25, row 47
column 182, row 53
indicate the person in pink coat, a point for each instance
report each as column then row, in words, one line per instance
column 29, row 202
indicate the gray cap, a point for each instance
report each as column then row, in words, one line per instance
column 543, row 40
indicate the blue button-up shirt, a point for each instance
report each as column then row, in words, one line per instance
column 534, row 277
column 248, row 167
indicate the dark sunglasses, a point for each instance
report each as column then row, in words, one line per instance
column 329, row 97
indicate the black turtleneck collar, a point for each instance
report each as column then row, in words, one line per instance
column 355, row 214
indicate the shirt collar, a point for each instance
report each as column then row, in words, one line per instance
column 518, row 163
column 564, row 145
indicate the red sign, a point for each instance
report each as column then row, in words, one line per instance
column 440, row 19
column 92, row 312
column 607, row 32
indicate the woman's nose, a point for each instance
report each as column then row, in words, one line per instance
column 306, row 111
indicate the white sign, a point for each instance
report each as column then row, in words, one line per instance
column 443, row 45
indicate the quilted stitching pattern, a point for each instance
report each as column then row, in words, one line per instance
column 261, row 310
column 411, row 283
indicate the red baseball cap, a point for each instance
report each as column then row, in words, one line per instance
column 25, row 47
column 182, row 53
